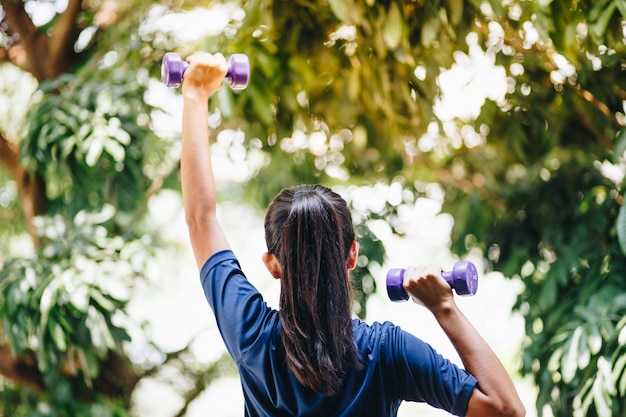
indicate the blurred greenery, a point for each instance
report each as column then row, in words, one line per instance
column 345, row 93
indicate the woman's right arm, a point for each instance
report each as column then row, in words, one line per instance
column 495, row 394
column 203, row 77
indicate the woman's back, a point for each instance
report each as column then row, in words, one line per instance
column 394, row 365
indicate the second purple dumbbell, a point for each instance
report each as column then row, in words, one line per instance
column 173, row 67
column 463, row 279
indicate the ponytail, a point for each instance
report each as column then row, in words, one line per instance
column 309, row 229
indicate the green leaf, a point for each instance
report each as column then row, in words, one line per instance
column 455, row 8
column 598, row 7
column 89, row 365
column 430, row 31
column 261, row 102
column 584, row 397
column 619, row 371
column 620, row 145
column 555, row 359
column 15, row 297
column 599, row 27
column 95, row 150
column 497, row 7
column 113, row 148
column 48, row 299
column 64, row 118
column 584, row 355
column 393, row 26
column 57, row 335
column 594, row 340
column 116, row 131
column 621, row 7
column 621, row 327
column 569, row 361
column 340, row 9
column 79, row 298
column 607, row 329
column 101, row 337
column 601, row 386
column 103, row 301
column 621, row 228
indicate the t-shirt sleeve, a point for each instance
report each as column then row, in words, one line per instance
column 238, row 306
column 423, row 375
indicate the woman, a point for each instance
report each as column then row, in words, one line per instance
column 310, row 358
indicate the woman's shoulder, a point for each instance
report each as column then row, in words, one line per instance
column 384, row 335
column 374, row 332
column 226, row 255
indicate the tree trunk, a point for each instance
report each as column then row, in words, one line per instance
column 45, row 55
column 31, row 186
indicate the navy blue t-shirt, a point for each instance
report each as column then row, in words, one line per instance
column 397, row 366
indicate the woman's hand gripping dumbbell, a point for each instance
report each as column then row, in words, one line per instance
column 173, row 68
column 463, row 279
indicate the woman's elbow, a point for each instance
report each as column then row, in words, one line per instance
column 481, row 405
column 509, row 409
column 516, row 410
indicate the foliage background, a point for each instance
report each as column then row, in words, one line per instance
column 345, row 93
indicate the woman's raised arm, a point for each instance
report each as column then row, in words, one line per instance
column 203, row 77
column 495, row 395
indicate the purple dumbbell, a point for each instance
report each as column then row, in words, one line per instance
column 173, row 67
column 463, row 279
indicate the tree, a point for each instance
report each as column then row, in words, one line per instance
column 81, row 169
column 548, row 210
column 343, row 92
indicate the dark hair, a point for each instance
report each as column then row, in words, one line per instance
column 309, row 229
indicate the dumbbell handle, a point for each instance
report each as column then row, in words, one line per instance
column 173, row 68
column 463, row 279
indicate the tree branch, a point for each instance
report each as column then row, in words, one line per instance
column 202, row 378
column 9, row 156
column 20, row 370
column 59, row 41
column 588, row 96
column 31, row 187
column 117, row 378
column 589, row 125
column 20, row 23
